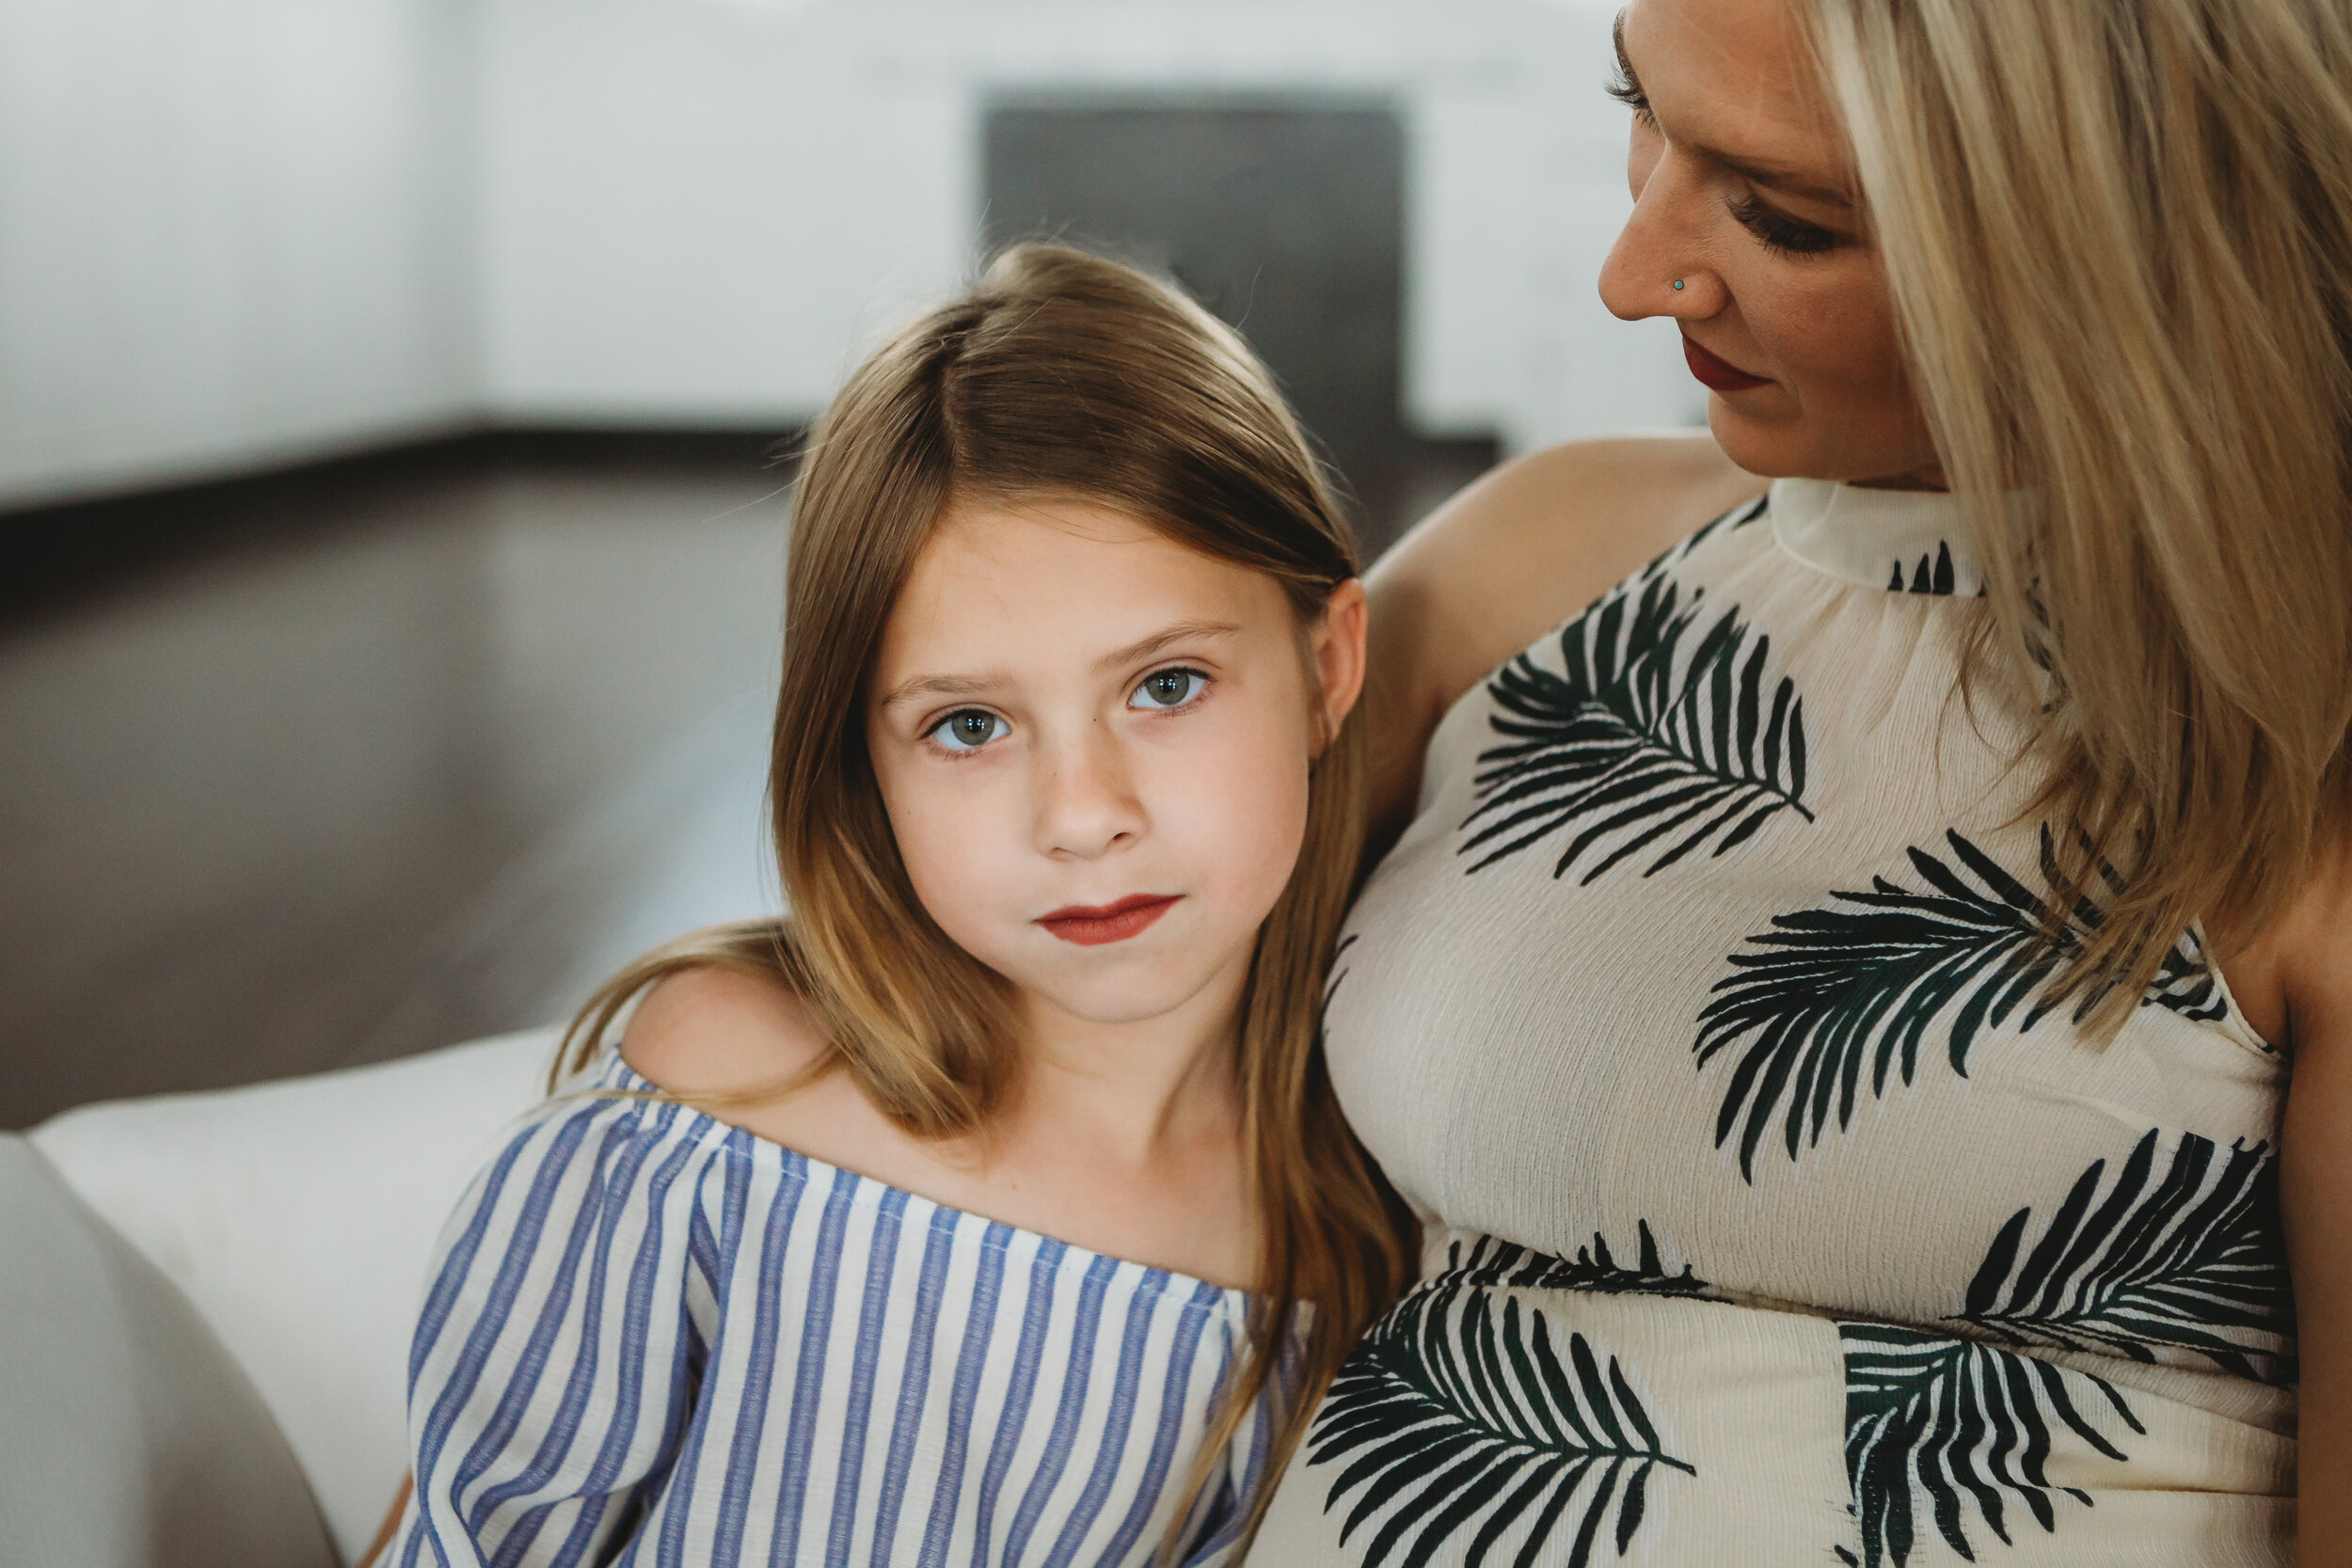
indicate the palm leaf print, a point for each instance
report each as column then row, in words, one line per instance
column 1967, row 1425
column 1332, row 986
column 1451, row 1417
column 2174, row 1261
column 1658, row 732
column 1828, row 991
column 1491, row 1262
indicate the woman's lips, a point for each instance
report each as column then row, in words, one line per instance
column 1717, row 374
column 1092, row 928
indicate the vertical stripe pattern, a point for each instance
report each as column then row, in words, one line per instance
column 653, row 1339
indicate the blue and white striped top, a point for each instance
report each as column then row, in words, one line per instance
column 654, row 1339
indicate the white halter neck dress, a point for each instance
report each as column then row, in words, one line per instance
column 1773, row 1215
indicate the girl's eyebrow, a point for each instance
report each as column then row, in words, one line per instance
column 940, row 686
column 1183, row 631
column 1134, row 653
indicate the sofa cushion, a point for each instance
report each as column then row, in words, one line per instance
column 298, row 1217
column 133, row 1440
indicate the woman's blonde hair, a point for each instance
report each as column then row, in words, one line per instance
column 2119, row 239
column 1062, row 376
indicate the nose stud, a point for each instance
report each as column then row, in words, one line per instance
column 1678, row 285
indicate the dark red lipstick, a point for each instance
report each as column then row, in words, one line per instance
column 1092, row 928
column 1718, row 374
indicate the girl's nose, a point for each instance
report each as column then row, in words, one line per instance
column 1086, row 803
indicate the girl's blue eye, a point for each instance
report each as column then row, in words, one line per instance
column 1167, row 689
column 967, row 729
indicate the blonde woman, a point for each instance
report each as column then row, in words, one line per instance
column 1865, row 1008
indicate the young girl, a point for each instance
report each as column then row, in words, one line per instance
column 972, row 1214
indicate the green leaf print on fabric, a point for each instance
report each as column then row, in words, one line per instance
column 1967, row 1426
column 1660, row 733
column 1453, row 1419
column 1827, row 991
column 2177, row 1261
column 1492, row 1262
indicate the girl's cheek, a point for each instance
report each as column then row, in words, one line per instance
column 947, row 841
column 1251, row 808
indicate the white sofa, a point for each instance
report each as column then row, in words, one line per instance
column 288, row 1225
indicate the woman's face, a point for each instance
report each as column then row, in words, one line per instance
column 1744, row 192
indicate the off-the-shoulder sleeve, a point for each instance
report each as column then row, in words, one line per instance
column 557, row 1353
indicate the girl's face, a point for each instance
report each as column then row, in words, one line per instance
column 1742, row 190
column 1093, row 745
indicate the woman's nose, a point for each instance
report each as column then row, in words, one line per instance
column 1087, row 804
column 1658, row 265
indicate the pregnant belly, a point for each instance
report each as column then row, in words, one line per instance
column 1497, row 1416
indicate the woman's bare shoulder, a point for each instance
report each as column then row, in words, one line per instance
column 1546, row 534
column 1613, row 482
column 711, row 1030
column 1512, row 555
column 2293, row 978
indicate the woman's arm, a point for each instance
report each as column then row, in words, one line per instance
column 1518, row 552
column 2315, row 971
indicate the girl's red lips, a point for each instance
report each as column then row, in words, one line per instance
column 1718, row 374
column 1092, row 928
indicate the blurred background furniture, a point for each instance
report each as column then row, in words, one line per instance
column 206, row 1306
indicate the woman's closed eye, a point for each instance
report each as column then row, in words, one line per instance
column 1780, row 234
column 1175, row 687
column 966, row 730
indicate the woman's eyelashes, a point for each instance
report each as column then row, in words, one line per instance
column 1625, row 91
column 1176, row 686
column 1780, row 234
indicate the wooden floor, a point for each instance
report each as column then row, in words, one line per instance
column 328, row 768
column 420, row 765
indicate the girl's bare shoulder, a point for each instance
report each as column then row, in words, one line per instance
column 744, row 1050
column 715, row 1031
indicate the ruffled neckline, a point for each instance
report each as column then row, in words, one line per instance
column 1903, row 541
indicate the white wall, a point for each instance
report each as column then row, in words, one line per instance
column 234, row 231
column 689, row 213
column 230, row 231
column 694, row 210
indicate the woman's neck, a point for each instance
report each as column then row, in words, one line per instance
column 1930, row 478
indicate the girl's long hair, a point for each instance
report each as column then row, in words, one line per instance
column 1060, row 374
column 2119, row 238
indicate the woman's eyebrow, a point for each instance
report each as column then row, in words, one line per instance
column 1776, row 178
column 1770, row 176
column 1624, row 62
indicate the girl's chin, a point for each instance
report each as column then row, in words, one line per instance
column 1110, row 1006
